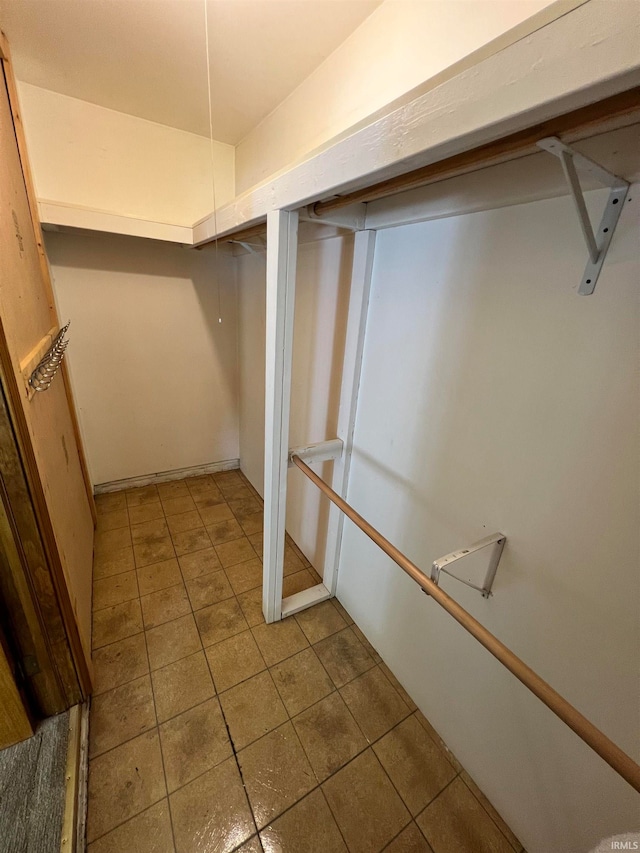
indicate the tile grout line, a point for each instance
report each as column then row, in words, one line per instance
column 234, row 753
column 157, row 728
column 290, row 718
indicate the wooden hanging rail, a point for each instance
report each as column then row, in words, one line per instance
column 597, row 740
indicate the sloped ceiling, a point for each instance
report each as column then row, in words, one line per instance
column 148, row 57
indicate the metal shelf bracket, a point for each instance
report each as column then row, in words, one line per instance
column 497, row 540
column 597, row 244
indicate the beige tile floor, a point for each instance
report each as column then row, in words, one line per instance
column 211, row 731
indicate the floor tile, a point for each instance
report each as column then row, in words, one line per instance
column 214, row 513
column 224, row 531
column 155, row 528
column 208, row 589
column 184, row 521
column 234, row 660
column 191, row 540
column 120, row 715
column 219, row 621
column 181, row 685
column 375, row 704
column 172, row 640
column 252, row 709
column 164, row 605
column 491, row 811
column 301, row 681
column 410, row 840
column 110, row 502
column 112, row 520
column 207, row 497
column 292, row 562
column 257, row 541
column 199, row 563
column 365, row 805
column 343, row 612
column 368, row 646
column 193, row 742
column 252, row 523
column 243, row 505
column 159, row 576
column 211, row 813
column 114, row 590
column 113, row 563
column 236, row 492
column 173, row 489
column 142, row 495
column 202, row 482
column 329, row 735
column 276, row 773
column 116, row 623
column 245, row 576
column 176, row 506
column 433, row 734
column 416, row 765
column 145, row 512
column 308, row 826
column 290, row 544
column 123, row 782
column 279, row 640
column 237, row 551
column 320, row 621
column 297, row 582
column 394, row 681
column 148, row 832
column 343, row 656
column 112, row 540
column 119, row 662
column 455, row 822
column 153, row 551
column 251, row 604
column 251, row 846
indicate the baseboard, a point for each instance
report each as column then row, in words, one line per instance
column 75, row 797
column 166, row 476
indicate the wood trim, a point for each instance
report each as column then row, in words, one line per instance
column 58, row 619
column 76, row 670
column 73, row 775
column 44, row 263
column 282, row 251
column 608, row 114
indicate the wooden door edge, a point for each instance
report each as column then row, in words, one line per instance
column 75, row 796
column 80, row 657
column 18, row 126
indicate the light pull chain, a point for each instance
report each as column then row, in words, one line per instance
column 213, row 175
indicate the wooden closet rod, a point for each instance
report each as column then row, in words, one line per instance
column 608, row 114
column 597, row 740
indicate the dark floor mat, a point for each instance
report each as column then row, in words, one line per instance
column 32, row 790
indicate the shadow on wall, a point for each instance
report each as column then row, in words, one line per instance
column 154, row 374
column 494, row 398
column 322, row 304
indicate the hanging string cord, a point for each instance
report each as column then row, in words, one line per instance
column 211, row 154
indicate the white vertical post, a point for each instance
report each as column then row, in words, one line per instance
column 282, row 248
column 363, row 252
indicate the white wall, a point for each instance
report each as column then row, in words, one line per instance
column 398, row 47
column 154, row 373
column 88, row 156
column 318, row 347
column 492, row 398
column 495, row 398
